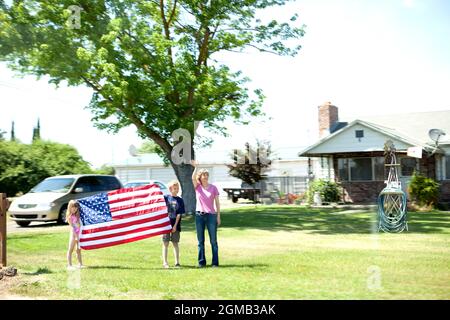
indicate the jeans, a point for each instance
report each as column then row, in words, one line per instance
column 210, row 221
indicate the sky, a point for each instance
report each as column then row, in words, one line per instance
column 366, row 57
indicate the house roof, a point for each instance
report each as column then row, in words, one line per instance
column 411, row 128
column 415, row 125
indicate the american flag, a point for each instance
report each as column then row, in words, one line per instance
column 122, row 216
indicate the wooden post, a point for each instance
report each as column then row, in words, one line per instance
column 4, row 204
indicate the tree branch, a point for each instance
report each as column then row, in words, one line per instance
column 173, row 12
column 166, row 30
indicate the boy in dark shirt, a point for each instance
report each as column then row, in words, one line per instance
column 175, row 208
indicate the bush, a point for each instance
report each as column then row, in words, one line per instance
column 22, row 166
column 329, row 191
column 424, row 191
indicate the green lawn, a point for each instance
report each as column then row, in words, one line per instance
column 266, row 252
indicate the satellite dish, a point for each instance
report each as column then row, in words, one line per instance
column 133, row 151
column 435, row 134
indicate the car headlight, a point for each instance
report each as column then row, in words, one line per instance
column 46, row 206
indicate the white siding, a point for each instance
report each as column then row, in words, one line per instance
column 323, row 168
column 346, row 141
column 289, row 168
column 164, row 174
column 129, row 174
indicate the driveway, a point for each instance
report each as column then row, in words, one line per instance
column 13, row 227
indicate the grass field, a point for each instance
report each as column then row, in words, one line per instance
column 266, row 252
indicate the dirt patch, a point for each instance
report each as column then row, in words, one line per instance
column 7, row 284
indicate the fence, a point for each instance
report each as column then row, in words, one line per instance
column 284, row 184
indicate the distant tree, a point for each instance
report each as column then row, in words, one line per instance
column 148, row 147
column 37, row 131
column 22, row 166
column 251, row 164
column 13, row 132
column 2, row 135
column 105, row 169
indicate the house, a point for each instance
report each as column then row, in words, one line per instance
column 288, row 172
column 352, row 153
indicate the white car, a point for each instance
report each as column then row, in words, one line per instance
column 138, row 183
column 48, row 200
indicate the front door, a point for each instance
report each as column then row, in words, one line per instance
column 406, row 171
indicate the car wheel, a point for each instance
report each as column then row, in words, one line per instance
column 62, row 215
column 235, row 199
column 23, row 223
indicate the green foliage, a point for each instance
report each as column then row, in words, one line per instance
column 104, row 169
column 250, row 164
column 423, row 190
column 148, row 147
column 22, row 166
column 329, row 191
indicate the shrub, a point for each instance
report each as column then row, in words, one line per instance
column 424, row 191
column 329, row 191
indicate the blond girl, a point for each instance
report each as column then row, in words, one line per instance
column 73, row 218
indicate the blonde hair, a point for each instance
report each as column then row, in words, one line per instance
column 72, row 204
column 172, row 183
column 201, row 172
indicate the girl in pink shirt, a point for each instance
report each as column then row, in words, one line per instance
column 207, row 214
column 73, row 218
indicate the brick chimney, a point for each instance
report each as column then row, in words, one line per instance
column 328, row 115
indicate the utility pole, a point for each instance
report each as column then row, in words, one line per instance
column 4, row 204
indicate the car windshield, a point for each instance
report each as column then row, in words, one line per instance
column 60, row 185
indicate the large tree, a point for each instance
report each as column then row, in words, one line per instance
column 150, row 63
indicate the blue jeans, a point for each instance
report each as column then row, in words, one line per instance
column 210, row 221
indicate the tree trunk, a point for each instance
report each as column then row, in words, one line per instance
column 184, row 175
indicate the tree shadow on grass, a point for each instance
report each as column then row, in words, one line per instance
column 321, row 221
column 244, row 265
column 39, row 271
column 99, row 267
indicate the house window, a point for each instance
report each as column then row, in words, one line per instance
column 380, row 173
column 360, row 169
column 447, row 167
column 359, row 133
column 408, row 165
column 343, row 169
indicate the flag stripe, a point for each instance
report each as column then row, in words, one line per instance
column 135, row 204
column 140, row 209
column 129, row 230
column 120, row 217
column 125, row 239
column 133, row 189
column 117, row 200
column 133, row 194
